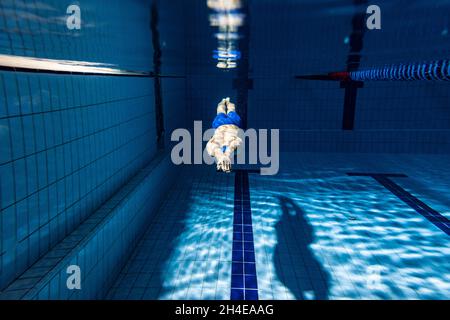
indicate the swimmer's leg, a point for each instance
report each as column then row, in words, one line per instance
column 222, row 107
column 221, row 117
column 231, row 107
column 232, row 115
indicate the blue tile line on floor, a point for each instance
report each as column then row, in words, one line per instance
column 244, row 285
column 420, row 207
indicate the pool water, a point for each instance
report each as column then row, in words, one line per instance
column 359, row 210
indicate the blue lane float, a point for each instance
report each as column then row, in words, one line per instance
column 438, row 70
column 432, row 71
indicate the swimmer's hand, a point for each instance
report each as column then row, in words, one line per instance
column 224, row 163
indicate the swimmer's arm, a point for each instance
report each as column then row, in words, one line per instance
column 233, row 146
column 213, row 148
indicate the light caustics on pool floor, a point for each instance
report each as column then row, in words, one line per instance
column 318, row 233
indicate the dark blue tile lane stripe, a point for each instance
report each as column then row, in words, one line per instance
column 244, row 284
column 420, row 207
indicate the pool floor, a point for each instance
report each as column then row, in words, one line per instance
column 310, row 232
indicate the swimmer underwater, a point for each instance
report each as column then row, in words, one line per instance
column 225, row 139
